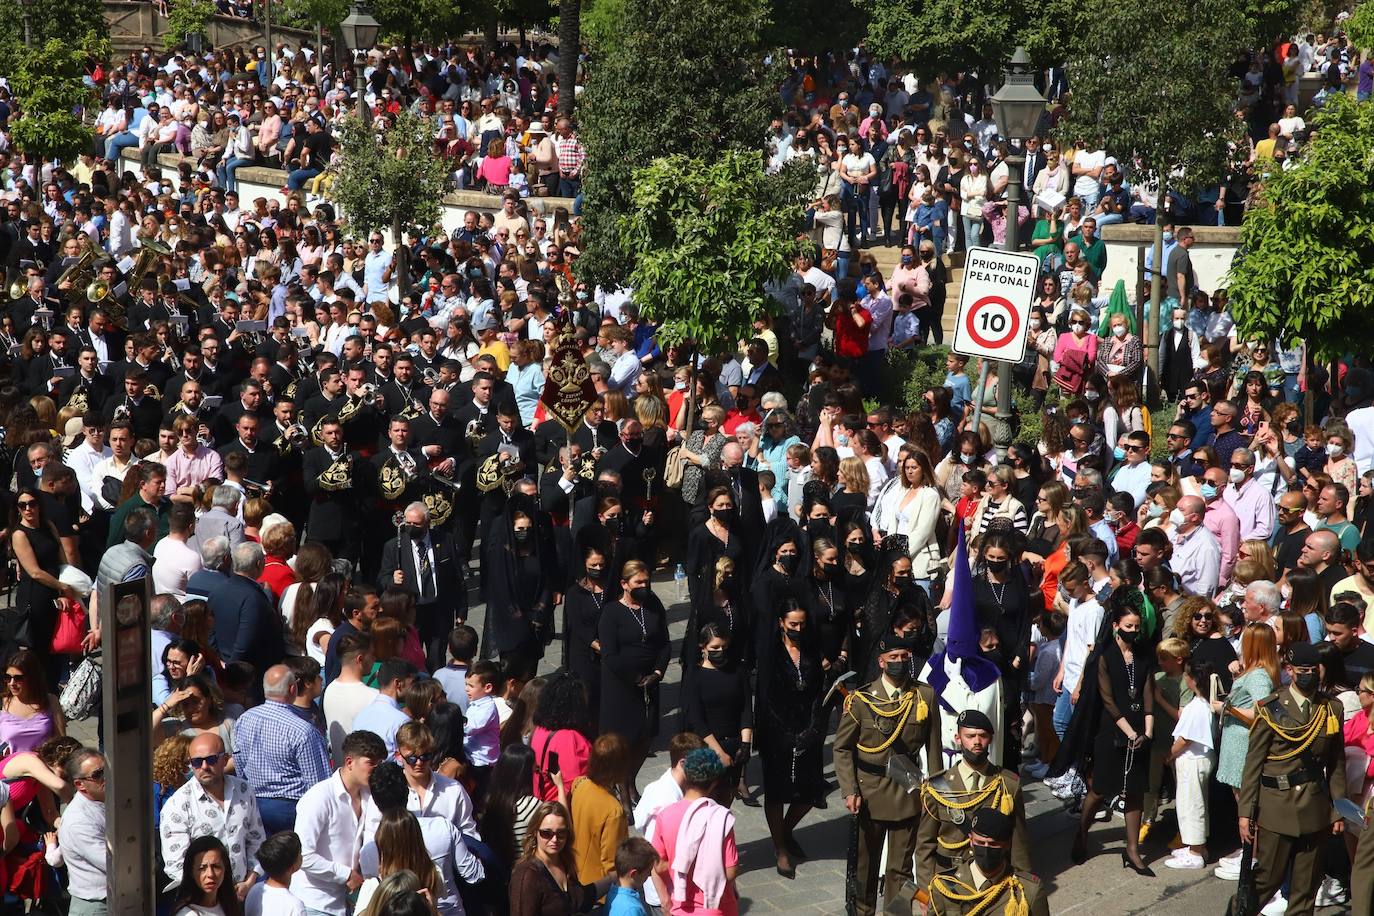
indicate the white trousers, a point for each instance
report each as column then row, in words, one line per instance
column 1192, row 774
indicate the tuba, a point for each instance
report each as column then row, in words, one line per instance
column 396, row 474
column 78, row 268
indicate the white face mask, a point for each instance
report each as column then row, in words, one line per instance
column 1035, row 324
column 1333, row 449
column 1178, row 324
column 1078, row 327
column 1237, row 476
column 1119, row 331
column 1176, row 517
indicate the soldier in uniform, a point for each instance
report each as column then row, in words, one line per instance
column 950, row 799
column 987, row 883
column 1294, row 768
column 887, row 725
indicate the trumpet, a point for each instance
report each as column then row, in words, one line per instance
column 407, row 465
column 256, row 488
column 430, row 375
column 474, row 432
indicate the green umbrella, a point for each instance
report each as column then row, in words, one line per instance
column 1117, row 305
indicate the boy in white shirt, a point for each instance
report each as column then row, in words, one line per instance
column 482, row 733
column 1193, row 756
column 280, row 858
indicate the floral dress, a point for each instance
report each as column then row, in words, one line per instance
column 1247, row 690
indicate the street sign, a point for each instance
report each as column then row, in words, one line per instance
column 994, row 304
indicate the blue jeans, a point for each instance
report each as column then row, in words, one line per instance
column 569, row 187
column 1108, row 219
column 1063, row 711
column 119, row 141
column 278, row 814
column 226, row 171
column 973, row 231
column 297, row 179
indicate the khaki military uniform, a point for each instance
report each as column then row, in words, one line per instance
column 1294, row 767
column 948, row 802
column 880, row 722
column 967, row 890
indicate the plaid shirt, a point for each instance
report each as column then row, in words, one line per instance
column 279, row 753
column 571, row 155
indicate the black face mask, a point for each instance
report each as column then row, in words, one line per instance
column 990, row 859
column 788, row 562
column 727, row 582
column 793, row 636
column 828, row 570
column 522, row 535
column 595, row 575
column 901, row 582
column 1307, row 684
column 612, row 522
column 716, row 656
column 998, row 566
column 635, row 444
column 975, row 759
column 1128, row 636
column 725, row 517
column 418, row 532
column 640, row 595
column 897, row 672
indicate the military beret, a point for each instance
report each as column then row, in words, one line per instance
column 975, row 718
column 993, row 824
column 1303, row 655
column 891, row 642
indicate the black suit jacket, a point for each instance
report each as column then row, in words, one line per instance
column 247, row 626
column 98, row 390
column 334, row 514
column 450, row 605
column 145, row 417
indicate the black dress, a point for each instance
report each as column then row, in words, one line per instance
column 633, row 644
column 34, row 615
column 790, row 726
column 827, row 608
column 519, row 591
column 581, row 624
column 703, row 549
column 875, row 618
column 734, row 619
column 715, row 701
column 1124, row 691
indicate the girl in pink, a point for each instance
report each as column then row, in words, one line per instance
column 559, row 739
column 1075, row 354
column 695, row 840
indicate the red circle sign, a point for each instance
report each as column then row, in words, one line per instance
column 992, row 322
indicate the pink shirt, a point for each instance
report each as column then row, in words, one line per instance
column 666, row 827
column 1221, row 520
column 1357, row 735
column 190, row 470
column 573, row 750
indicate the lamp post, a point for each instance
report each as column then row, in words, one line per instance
column 1017, row 106
column 360, row 32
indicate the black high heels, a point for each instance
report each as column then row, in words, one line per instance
column 1143, row 870
column 1079, row 853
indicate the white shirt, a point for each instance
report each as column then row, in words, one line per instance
column 1085, row 620
column 1361, row 423
column 81, row 835
column 1085, row 159
column 264, row 900
column 657, row 795
column 176, row 562
column 343, row 701
column 328, row 829
column 109, row 467
column 444, row 798
column 84, row 460
column 192, row 813
column 373, row 266
column 1195, row 727
column 451, row 857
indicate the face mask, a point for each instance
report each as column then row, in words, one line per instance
column 1176, row 517
column 907, row 259
column 1333, row 449
column 418, row 532
column 1078, row 327
column 1168, row 236
column 1237, row 476
column 1209, row 492
column 841, row 150
column 1155, row 510
column 1307, row 684
column 897, row 672
column 522, row 535
column 1178, row 324
column 842, row 439
column 901, row 582
column 612, row 522
column 967, row 459
column 989, row 859
column 640, row 595
column 635, row 443
column 715, row 656
column 788, row 561
column 596, row 575
column 583, row 295
column 830, row 569
column 793, row 636
column 1294, row 428
column 724, row 516
column 844, row 103
column 1119, row 453
column 1035, row 324
column 874, row 112
column 1092, row 395
column 1128, row 636
column 975, row 759
column 679, row 386
column 998, row 566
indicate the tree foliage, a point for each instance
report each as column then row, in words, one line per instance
column 1167, row 105
column 1306, row 264
column 704, row 236
column 394, row 176
column 78, row 23
column 419, row 18
column 1359, row 28
column 186, row 17
column 47, row 81
column 325, row 13
column 944, row 35
column 680, row 77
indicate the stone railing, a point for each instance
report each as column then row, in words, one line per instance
column 137, row 23
column 1127, row 244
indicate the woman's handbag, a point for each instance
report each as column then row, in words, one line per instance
column 81, row 697
column 673, row 467
column 71, row 627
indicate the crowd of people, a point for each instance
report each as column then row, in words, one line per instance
column 323, row 466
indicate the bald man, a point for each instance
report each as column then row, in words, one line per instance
column 1197, row 552
column 212, row 804
column 1292, row 530
column 1321, row 553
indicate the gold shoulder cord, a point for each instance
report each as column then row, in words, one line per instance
column 1303, row 735
column 994, row 791
column 955, row 889
column 902, row 708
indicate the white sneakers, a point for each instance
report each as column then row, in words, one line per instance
column 1185, row 858
column 1332, row 893
column 1276, row 907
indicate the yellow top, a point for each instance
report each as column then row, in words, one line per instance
column 598, row 827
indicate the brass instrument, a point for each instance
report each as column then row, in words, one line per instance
column 474, row 432
column 339, row 474
column 97, row 291
column 255, row 488
column 79, row 267
column 413, row 410
column 497, row 470
column 430, row 376
column 18, row 288
column 151, row 391
column 156, row 247
column 147, row 257
column 80, row 400
column 121, row 413
column 397, row 473
column 296, row 436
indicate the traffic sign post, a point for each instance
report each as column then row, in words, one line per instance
column 994, row 309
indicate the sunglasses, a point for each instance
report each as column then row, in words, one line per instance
column 1202, row 616
column 413, row 759
column 15, row 678
column 208, row 760
column 27, row 503
column 1135, row 448
column 95, row 776
column 547, row 834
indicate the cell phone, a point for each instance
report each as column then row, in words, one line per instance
column 553, row 763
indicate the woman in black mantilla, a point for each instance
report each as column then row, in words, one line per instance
column 522, row 568
column 776, row 577
column 585, row 601
column 634, row 655
column 1115, row 720
column 716, row 537
column 721, row 599
column 1005, row 601
column 891, row 593
column 789, row 727
column 825, row 600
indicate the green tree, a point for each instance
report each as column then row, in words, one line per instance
column 944, row 35
column 1306, row 268
column 47, row 84
column 186, row 17
column 1359, row 28
column 600, row 21
column 680, row 77
column 705, row 235
column 70, row 21
column 393, row 182
column 418, row 18
column 1165, row 108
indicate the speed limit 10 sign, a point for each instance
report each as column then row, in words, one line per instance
column 994, row 304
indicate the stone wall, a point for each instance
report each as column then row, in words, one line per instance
column 1127, row 244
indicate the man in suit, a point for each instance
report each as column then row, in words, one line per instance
column 1294, row 768
column 247, row 626
column 214, row 570
column 223, row 426
column 334, row 488
column 144, row 413
column 1035, row 163
column 988, row 882
column 942, row 839
column 427, row 565
column 892, row 717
